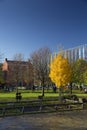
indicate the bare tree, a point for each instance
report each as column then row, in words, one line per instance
column 28, row 74
column 18, row 69
column 40, row 60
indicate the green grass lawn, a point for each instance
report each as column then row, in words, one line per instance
column 28, row 95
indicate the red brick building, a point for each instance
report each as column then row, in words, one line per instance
column 18, row 72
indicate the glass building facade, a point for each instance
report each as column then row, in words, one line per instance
column 79, row 52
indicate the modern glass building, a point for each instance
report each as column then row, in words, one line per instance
column 79, row 52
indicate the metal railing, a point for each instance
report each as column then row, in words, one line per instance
column 37, row 106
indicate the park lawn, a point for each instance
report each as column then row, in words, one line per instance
column 82, row 95
column 29, row 95
column 11, row 96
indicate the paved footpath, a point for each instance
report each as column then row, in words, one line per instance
column 76, row 120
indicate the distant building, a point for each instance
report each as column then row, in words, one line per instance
column 20, row 72
column 79, row 52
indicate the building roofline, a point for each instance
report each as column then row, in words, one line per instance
column 75, row 47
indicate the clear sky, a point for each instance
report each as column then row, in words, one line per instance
column 27, row 25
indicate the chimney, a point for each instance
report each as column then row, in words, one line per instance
column 5, row 59
column 5, row 65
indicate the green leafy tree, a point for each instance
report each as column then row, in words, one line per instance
column 85, row 77
column 78, row 68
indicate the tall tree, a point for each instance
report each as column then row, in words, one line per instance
column 85, row 77
column 60, row 72
column 40, row 60
column 18, row 69
column 29, row 75
column 79, row 67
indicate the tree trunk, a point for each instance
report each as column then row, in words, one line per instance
column 42, row 87
column 43, row 91
column 71, row 88
column 60, row 95
column 17, row 87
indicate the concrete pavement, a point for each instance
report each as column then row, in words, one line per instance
column 76, row 120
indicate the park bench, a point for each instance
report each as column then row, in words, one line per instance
column 40, row 97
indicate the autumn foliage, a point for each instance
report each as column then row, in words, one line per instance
column 60, row 71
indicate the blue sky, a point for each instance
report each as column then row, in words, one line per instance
column 27, row 25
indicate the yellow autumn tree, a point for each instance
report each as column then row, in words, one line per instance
column 60, row 71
